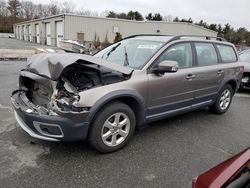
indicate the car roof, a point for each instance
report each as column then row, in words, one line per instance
column 170, row 38
column 158, row 38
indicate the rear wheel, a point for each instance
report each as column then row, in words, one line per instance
column 223, row 100
column 112, row 127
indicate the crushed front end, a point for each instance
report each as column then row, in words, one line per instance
column 47, row 103
column 39, row 114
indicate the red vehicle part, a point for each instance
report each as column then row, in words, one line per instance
column 222, row 174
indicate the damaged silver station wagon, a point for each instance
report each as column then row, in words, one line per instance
column 144, row 78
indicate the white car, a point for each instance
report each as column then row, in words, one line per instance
column 245, row 57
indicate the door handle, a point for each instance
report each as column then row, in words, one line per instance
column 190, row 77
column 220, row 72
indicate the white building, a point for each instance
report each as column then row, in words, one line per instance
column 50, row 30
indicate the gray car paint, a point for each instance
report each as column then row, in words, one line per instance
column 159, row 95
column 51, row 65
column 172, row 88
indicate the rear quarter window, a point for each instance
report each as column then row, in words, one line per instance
column 227, row 53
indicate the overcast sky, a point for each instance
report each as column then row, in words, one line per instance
column 235, row 12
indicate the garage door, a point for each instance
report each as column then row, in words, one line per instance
column 59, row 32
column 48, row 33
column 25, row 32
column 17, row 33
column 37, row 33
column 29, row 30
column 20, row 33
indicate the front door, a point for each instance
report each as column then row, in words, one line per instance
column 172, row 92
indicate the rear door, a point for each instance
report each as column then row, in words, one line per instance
column 208, row 73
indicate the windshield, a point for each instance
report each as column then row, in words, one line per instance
column 245, row 56
column 133, row 53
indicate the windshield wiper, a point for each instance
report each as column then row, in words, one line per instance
column 113, row 49
column 126, row 62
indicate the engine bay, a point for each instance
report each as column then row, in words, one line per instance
column 63, row 94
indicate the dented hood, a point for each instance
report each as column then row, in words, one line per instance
column 51, row 65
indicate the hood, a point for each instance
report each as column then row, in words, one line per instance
column 51, row 65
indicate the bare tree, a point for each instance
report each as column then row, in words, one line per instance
column 168, row 18
column 54, row 7
column 67, row 7
column 27, row 10
column 86, row 12
column 14, row 7
column 104, row 13
column 3, row 8
column 43, row 10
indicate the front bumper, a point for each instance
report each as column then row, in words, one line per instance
column 48, row 127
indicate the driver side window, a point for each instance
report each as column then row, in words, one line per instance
column 182, row 53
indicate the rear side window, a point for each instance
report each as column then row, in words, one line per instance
column 206, row 54
column 227, row 53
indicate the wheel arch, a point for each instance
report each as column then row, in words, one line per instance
column 233, row 84
column 132, row 99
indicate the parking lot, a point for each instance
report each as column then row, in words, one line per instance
column 7, row 43
column 167, row 153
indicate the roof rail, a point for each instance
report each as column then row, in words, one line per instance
column 178, row 37
column 141, row 35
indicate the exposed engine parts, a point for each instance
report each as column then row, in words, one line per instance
column 63, row 94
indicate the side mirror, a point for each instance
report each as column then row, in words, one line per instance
column 166, row 66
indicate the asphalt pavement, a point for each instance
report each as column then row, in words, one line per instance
column 166, row 153
column 9, row 43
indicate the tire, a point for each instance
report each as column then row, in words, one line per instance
column 223, row 101
column 110, row 131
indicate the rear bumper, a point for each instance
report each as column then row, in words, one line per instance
column 48, row 127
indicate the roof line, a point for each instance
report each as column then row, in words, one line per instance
column 116, row 19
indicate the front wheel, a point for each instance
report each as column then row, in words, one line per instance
column 112, row 127
column 223, row 100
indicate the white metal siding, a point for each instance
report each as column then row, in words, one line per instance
column 102, row 26
column 48, row 33
column 59, row 32
column 37, row 33
column 67, row 26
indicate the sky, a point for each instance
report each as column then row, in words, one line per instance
column 234, row 12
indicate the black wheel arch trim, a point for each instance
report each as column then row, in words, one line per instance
column 116, row 95
column 228, row 81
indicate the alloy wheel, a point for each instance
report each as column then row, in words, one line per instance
column 115, row 129
column 225, row 99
